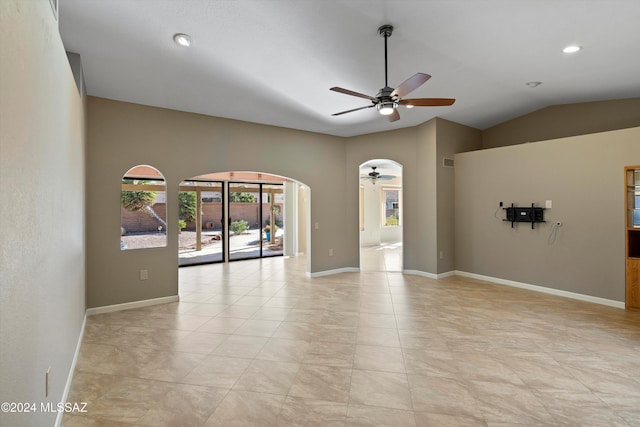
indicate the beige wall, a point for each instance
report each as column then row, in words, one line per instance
column 558, row 121
column 42, row 265
column 451, row 138
column 182, row 145
column 418, row 149
column 583, row 177
column 426, row 230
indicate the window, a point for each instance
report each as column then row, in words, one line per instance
column 391, row 202
column 143, row 209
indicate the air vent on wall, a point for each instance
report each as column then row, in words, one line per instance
column 447, row 163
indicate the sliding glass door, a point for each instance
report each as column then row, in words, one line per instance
column 201, row 210
column 273, row 219
column 256, row 227
column 245, row 232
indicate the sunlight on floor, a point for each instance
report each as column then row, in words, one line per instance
column 386, row 257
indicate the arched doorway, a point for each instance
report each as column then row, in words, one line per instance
column 381, row 224
column 233, row 216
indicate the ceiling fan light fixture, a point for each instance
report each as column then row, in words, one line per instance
column 386, row 108
column 182, row 39
column 572, row 49
column 409, row 105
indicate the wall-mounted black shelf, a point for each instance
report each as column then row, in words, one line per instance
column 517, row 214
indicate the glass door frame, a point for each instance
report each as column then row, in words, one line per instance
column 260, row 216
column 223, row 234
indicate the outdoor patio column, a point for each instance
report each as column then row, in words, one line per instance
column 198, row 219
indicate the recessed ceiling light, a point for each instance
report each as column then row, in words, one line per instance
column 572, row 49
column 533, row 84
column 182, row 39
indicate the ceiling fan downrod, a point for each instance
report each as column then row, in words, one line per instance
column 385, row 31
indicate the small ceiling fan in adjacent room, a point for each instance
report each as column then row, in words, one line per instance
column 388, row 99
column 375, row 176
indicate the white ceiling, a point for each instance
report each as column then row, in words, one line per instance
column 274, row 61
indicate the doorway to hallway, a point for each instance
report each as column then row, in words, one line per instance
column 381, row 222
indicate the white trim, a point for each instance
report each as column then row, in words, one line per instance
column 133, row 304
column 72, row 368
column 446, row 274
column 536, row 288
column 429, row 275
column 420, row 273
column 100, row 310
column 336, row 271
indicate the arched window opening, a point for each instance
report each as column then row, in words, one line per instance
column 143, row 209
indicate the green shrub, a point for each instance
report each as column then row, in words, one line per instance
column 187, row 206
column 242, row 197
column 239, row 227
column 392, row 220
column 182, row 224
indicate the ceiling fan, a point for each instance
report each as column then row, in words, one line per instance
column 388, row 98
column 374, row 175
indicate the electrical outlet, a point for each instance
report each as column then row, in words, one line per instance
column 144, row 274
column 441, row 254
column 330, row 252
column 316, row 225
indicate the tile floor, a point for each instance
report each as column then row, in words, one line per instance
column 258, row 343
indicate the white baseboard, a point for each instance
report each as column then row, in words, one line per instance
column 429, row 275
column 536, row 288
column 72, row 368
column 336, row 271
column 99, row 310
column 133, row 304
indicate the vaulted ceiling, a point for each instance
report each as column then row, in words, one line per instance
column 274, row 61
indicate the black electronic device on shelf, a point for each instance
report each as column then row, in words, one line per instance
column 518, row 214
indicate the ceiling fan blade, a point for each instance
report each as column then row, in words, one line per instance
column 386, row 177
column 427, row 102
column 394, row 116
column 410, row 84
column 352, row 93
column 351, row 111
